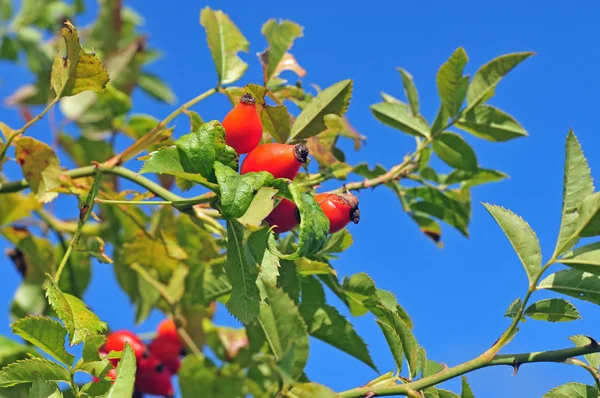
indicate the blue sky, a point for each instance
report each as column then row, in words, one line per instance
column 456, row 296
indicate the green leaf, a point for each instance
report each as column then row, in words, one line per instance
column 155, row 87
column 261, row 206
column 311, row 390
column 489, row 75
column 553, row 310
column 225, row 42
column 14, row 206
column 514, row 309
column 314, row 226
column 280, row 37
column 41, row 388
column 588, row 213
column 455, row 151
column 466, row 389
column 451, row 83
column 40, row 167
column 5, row 9
column 9, row 49
column 441, row 205
column 79, row 321
column 207, row 284
column 197, row 376
column 237, row 191
column 581, row 341
column 572, row 390
column 242, row 270
column 306, row 266
column 333, row 100
column 123, row 386
column 46, row 334
column 399, row 117
column 585, row 258
column 574, row 283
column 28, row 370
column 410, row 91
column 522, row 238
column 200, row 149
column 327, row 324
column 91, row 347
column 446, row 394
column 78, row 71
column 284, row 328
column 470, row 179
column 394, row 343
column 578, row 185
column 276, row 121
column 401, row 332
column 268, row 263
column 491, row 124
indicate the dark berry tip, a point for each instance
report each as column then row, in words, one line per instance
column 301, row 153
column 297, row 214
column 355, row 215
column 248, row 99
column 159, row 368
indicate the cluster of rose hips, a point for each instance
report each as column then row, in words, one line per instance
column 156, row 362
column 243, row 132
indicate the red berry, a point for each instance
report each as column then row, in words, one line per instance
column 149, row 363
column 167, row 329
column 339, row 209
column 243, row 128
column 281, row 160
column 116, row 342
column 157, row 382
column 285, row 216
column 111, row 374
column 172, row 364
column 164, row 348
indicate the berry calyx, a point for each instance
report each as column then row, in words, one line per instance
column 285, row 216
column 281, row 160
column 340, row 209
column 243, row 128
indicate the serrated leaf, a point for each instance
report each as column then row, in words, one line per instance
column 410, row 347
column 78, row 71
column 394, row 343
column 237, row 191
column 398, row 116
column 446, row 394
column 327, row 324
column 410, row 91
column 285, row 329
column 155, row 87
column 514, row 309
column 572, row 390
column 333, row 100
column 79, row 321
column 491, row 124
column 268, row 262
column 466, row 389
column 280, row 37
column 470, row 179
column 305, row 266
column 455, row 151
column 578, row 185
column 124, row 382
column 41, row 388
column 489, row 75
column 588, row 213
column 452, row 86
column 225, row 42
column 574, row 283
column 314, row 226
column 276, row 121
column 581, row 341
column 28, row 370
column 441, row 205
column 40, row 166
column 522, row 238
column 585, row 258
column 91, row 347
column 553, row 310
column 46, row 334
column 242, row 271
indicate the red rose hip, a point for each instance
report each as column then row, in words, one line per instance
column 284, row 217
column 339, row 209
column 281, row 160
column 243, row 128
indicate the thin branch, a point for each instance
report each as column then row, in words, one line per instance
column 513, row 360
column 593, row 371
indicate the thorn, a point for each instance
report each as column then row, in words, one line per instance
column 593, row 342
column 516, row 367
column 444, row 366
column 370, row 394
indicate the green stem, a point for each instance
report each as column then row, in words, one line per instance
column 514, row 360
column 593, row 371
column 134, row 202
column 59, row 226
column 22, row 130
column 65, row 259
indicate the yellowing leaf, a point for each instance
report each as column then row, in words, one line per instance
column 78, row 71
column 40, row 167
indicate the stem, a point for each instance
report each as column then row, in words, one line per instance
column 134, row 202
column 593, row 371
column 22, row 130
column 65, row 259
column 59, row 226
column 148, row 139
column 514, row 360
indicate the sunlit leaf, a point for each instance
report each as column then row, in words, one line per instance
column 574, row 283
column 276, row 121
column 572, row 390
column 28, row 370
column 585, row 258
column 311, row 390
column 225, row 42
column 78, row 71
column 237, row 191
column 40, row 167
column 514, row 309
column 451, row 83
column 124, row 383
column 522, row 238
column 581, row 341
column 280, row 36
column 455, row 151
column 46, row 334
column 398, row 116
column 466, row 389
column 491, row 124
column 410, row 91
column 553, row 310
